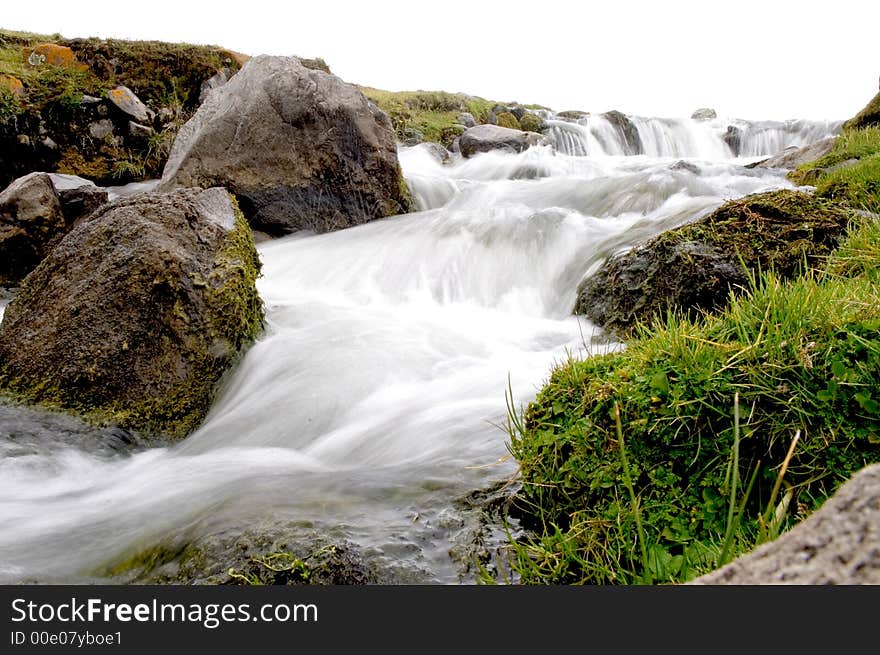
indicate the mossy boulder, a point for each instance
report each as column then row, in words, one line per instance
column 867, row 117
column 694, row 268
column 531, row 123
column 507, row 119
column 136, row 314
column 300, row 148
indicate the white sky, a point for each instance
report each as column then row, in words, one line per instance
column 754, row 59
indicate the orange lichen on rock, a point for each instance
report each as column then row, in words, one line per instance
column 54, row 55
column 13, row 84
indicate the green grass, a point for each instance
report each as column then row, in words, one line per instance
column 737, row 425
column 851, row 144
column 433, row 113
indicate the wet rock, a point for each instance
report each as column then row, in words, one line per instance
column 793, row 157
column 733, row 138
column 266, row 554
column 301, row 149
column 704, row 114
column 437, row 151
column 133, row 316
column 129, row 104
column 694, row 268
column 31, row 223
column 682, row 165
column 628, row 132
column 839, row 544
column 484, row 138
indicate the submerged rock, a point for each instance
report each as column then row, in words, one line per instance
column 300, row 148
column 266, row 554
column 484, row 138
column 135, row 314
column 694, row 267
column 838, row 544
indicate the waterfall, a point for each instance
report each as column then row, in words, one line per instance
column 595, row 135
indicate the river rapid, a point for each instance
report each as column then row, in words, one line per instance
column 376, row 397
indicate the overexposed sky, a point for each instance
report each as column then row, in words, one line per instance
column 753, row 59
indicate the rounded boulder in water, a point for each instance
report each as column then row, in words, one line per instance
column 137, row 312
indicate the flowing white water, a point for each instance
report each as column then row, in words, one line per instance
column 374, row 397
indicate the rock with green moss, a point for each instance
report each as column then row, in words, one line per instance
column 507, row 119
column 66, row 86
column 264, row 554
column 300, row 148
column 694, row 267
column 531, row 122
column 136, row 314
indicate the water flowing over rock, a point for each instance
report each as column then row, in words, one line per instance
column 300, row 148
column 838, row 544
column 484, row 138
column 137, row 312
column 629, row 134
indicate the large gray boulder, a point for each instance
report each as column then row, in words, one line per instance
column 484, row 138
column 838, row 544
column 31, row 222
column 300, row 148
column 793, row 157
column 134, row 315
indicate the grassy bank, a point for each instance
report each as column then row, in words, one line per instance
column 709, row 435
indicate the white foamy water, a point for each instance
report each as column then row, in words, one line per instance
column 375, row 395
